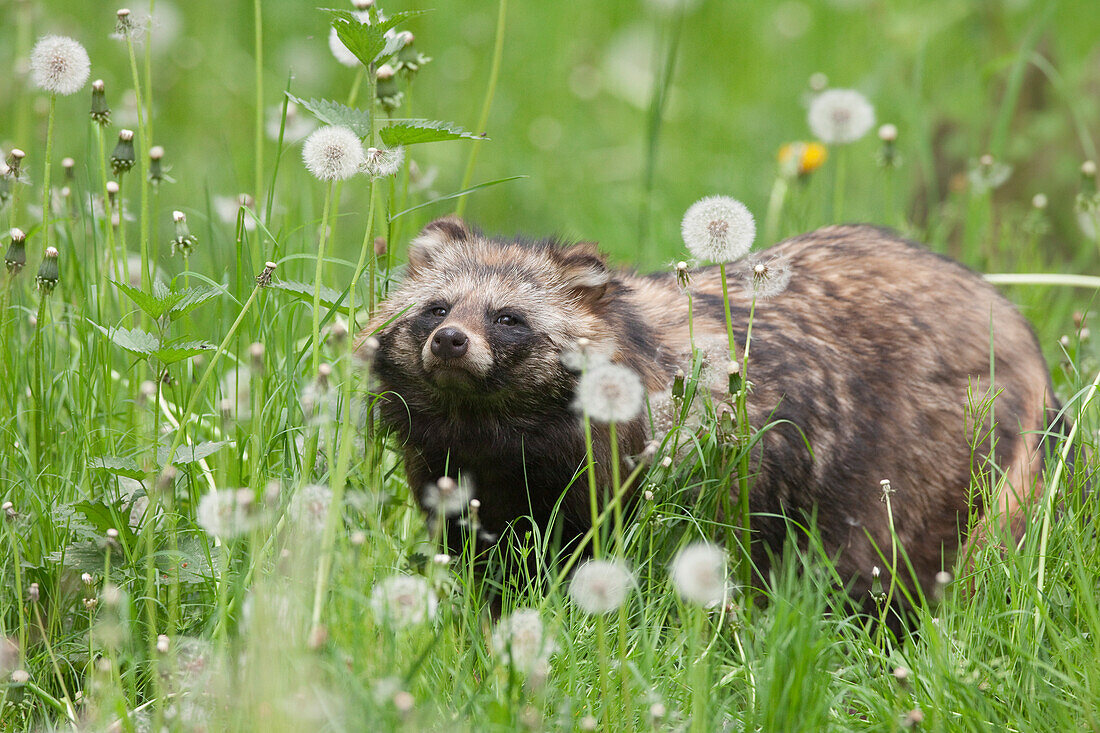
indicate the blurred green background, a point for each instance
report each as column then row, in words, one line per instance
column 573, row 108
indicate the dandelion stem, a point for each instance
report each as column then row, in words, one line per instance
column 317, row 281
column 775, row 207
column 143, row 153
column 483, row 121
column 259, row 53
column 726, row 309
column 46, row 175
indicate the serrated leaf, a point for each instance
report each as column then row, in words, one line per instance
column 329, row 297
column 412, row 132
column 85, row 556
column 152, row 304
column 180, row 350
column 190, row 299
column 104, row 516
column 133, row 340
column 334, row 113
column 367, row 41
column 191, row 453
column 118, row 466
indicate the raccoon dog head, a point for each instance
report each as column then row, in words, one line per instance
column 484, row 321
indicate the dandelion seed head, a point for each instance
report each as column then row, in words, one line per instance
column 718, row 229
column 309, row 507
column 59, row 65
column 765, row 277
column 840, row 116
column 333, row 153
column 382, row 162
column 600, row 586
column 699, row 574
column 520, row 640
column 610, row 393
column 403, row 600
column 447, row 496
column 226, row 513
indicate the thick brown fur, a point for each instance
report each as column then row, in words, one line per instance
column 867, row 354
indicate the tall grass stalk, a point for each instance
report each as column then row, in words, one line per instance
column 487, row 104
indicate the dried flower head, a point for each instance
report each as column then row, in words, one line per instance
column 718, row 229
column 600, row 586
column 59, row 65
column 609, row 392
column 447, row 496
column 988, row 173
column 841, row 116
column 403, row 600
column 699, row 574
column 309, row 507
column 100, row 112
column 333, row 153
column 382, row 162
column 227, row 513
column 48, row 272
column 16, row 256
column 801, row 158
column 184, row 241
column 520, row 640
column 264, row 278
column 123, row 157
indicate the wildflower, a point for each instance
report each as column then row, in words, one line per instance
column 403, row 600
column 382, row 162
column 184, row 241
column 59, row 65
column 610, row 393
column 227, row 513
column 699, row 574
column 986, row 174
column 156, row 166
column 840, row 116
column 163, row 643
column 447, row 496
column 333, row 153
column 520, row 641
column 16, row 256
column 389, row 96
column 48, row 273
column 409, row 60
column 100, row 112
column 766, row 277
column 801, row 158
column 600, row 586
column 122, row 157
column 264, row 278
column 718, row 229
column 309, row 507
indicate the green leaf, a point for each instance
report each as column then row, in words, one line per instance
column 334, row 113
column 104, row 516
column 456, row 194
column 191, row 453
column 411, row 132
column 329, row 297
column 135, row 341
column 118, row 466
column 152, row 304
column 180, row 350
column 368, row 41
column 190, row 299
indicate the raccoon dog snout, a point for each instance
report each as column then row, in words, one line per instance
column 450, row 343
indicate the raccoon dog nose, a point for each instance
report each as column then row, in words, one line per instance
column 449, row 343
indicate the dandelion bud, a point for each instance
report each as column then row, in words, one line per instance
column 475, row 507
column 404, row 701
column 33, row 593
column 370, row 348
column 358, row 538
column 888, row 133
column 666, row 462
column 15, row 163
column 441, row 559
column 683, row 277
column 16, row 256
column 156, row 166
column 647, row 495
column 256, row 357
column 1088, row 169
column 886, row 489
column 184, row 242
column 48, row 272
column 91, row 604
column 69, row 166
column 361, row 5
column 19, row 680
column 9, row 511
column 901, row 674
column 337, row 334
column 379, row 246
column 112, row 193
column 678, row 383
column 409, row 60
column 163, row 643
column 389, row 96
column 1039, row 201
column 877, row 593
column 657, row 712
column 888, row 154
column 324, row 373
column 59, row 65
column 733, row 376
column 124, row 25
column 122, row 157
column 100, row 112
column 913, row 718
column 264, row 278
column 589, row 722
column 87, row 579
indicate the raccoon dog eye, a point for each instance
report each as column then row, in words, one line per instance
column 509, row 319
column 438, row 311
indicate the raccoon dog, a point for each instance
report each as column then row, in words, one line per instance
column 864, row 360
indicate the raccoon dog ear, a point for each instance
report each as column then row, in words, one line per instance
column 433, row 237
column 584, row 270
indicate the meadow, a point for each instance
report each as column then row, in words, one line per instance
column 203, row 527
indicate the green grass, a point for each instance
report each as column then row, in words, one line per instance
column 274, row 629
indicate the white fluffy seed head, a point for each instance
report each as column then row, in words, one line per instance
column 718, row 229
column 403, row 600
column 309, row 507
column 333, row 153
column 841, row 116
column 600, row 586
column 226, row 513
column 610, row 393
column 699, row 574
column 520, row 640
column 448, row 497
column 382, row 162
column 59, row 65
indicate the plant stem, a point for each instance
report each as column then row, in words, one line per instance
column 316, row 362
column 46, row 176
column 259, row 53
